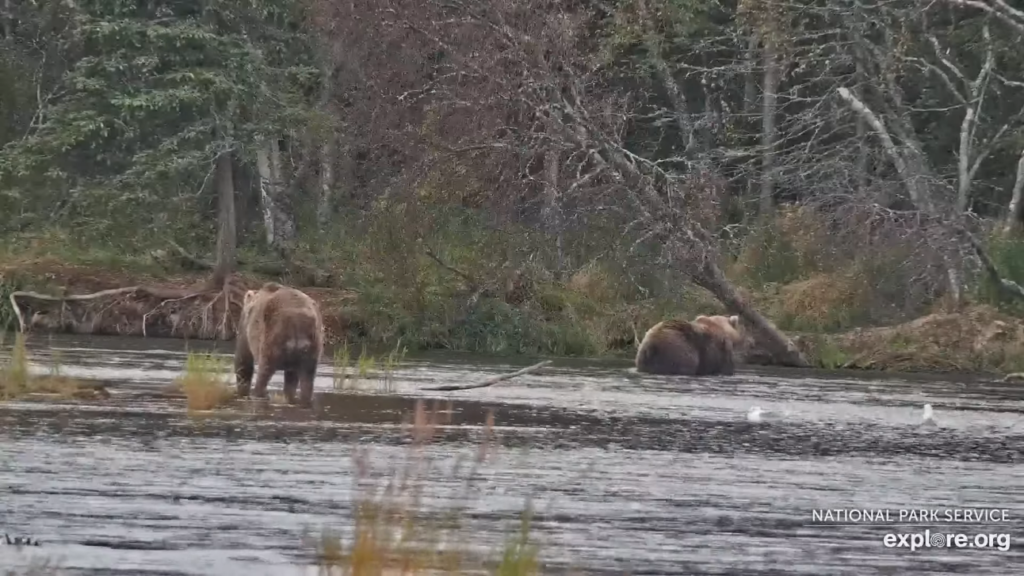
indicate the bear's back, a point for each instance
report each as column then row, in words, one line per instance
column 265, row 309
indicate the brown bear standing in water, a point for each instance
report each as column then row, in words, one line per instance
column 280, row 329
column 703, row 347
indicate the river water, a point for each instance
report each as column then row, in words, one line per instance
column 627, row 474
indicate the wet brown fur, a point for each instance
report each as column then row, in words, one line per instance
column 703, row 347
column 281, row 328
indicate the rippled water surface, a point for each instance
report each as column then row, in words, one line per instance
column 629, row 474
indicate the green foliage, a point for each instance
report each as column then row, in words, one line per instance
column 157, row 92
column 824, row 353
column 1007, row 252
column 406, row 295
column 15, row 98
column 769, row 257
column 125, row 254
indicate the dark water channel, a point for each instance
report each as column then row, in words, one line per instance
column 635, row 475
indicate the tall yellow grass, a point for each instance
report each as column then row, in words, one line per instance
column 393, row 534
column 16, row 381
column 205, row 382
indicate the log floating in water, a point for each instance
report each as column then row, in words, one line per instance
column 491, row 381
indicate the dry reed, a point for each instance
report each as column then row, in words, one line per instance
column 393, row 532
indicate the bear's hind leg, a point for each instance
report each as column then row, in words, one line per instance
column 243, row 372
column 291, row 382
column 728, row 360
column 263, row 376
column 306, row 376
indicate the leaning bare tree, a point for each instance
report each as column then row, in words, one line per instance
column 526, row 78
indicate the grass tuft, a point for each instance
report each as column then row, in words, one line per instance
column 205, row 382
column 367, row 367
column 17, row 381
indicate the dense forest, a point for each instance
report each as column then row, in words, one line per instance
column 531, row 175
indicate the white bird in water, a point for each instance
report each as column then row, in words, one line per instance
column 754, row 414
column 928, row 419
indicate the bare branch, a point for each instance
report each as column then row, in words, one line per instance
column 1015, row 214
column 968, row 127
column 998, row 8
column 902, row 167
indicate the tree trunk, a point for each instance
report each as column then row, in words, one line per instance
column 768, row 136
column 553, row 209
column 749, row 103
column 266, row 198
column 277, row 218
column 284, row 226
column 1015, row 215
column 324, row 203
column 227, row 242
column 862, row 136
column 328, row 146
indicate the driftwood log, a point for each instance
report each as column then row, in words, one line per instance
column 490, row 381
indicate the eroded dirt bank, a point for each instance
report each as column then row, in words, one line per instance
column 88, row 300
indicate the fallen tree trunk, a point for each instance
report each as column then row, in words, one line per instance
column 134, row 311
column 779, row 349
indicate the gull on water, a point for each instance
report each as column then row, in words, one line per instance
column 754, row 414
column 928, row 419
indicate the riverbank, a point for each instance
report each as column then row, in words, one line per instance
column 580, row 316
column 518, row 312
column 976, row 339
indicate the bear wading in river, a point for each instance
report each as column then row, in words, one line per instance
column 280, row 329
column 703, row 347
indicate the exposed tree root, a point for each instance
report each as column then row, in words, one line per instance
column 203, row 314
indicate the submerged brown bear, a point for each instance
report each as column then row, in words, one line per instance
column 703, row 347
column 280, row 329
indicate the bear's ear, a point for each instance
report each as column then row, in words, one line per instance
column 734, row 321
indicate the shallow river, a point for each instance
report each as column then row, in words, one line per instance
column 649, row 475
